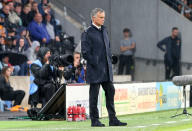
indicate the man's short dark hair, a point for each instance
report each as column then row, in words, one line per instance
column 126, row 30
column 174, row 28
column 76, row 53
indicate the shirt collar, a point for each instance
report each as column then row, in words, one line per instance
column 98, row 27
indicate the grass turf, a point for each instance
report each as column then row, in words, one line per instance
column 153, row 121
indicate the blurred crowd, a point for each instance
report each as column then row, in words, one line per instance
column 25, row 26
column 184, row 7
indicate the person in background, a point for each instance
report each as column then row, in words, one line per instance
column 13, row 17
column 31, row 52
column 34, row 10
column 127, row 48
column 6, row 91
column 2, row 26
column 78, row 70
column 171, row 45
column 51, row 27
column 38, row 30
column 2, row 44
column 24, row 33
column 5, row 62
column 25, row 17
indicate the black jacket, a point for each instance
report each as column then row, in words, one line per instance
column 167, row 42
column 5, row 86
column 44, row 74
column 96, row 50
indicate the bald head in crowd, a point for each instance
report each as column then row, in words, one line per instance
column 38, row 18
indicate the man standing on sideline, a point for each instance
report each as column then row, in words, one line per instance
column 127, row 49
column 172, row 51
column 96, row 50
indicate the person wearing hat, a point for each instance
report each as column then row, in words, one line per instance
column 41, row 78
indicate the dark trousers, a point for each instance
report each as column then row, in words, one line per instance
column 93, row 99
column 125, row 62
column 16, row 96
column 175, row 68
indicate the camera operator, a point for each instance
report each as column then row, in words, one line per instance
column 42, row 78
column 77, row 69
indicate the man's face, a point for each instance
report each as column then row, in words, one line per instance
column 26, row 10
column 175, row 33
column 126, row 34
column 47, row 55
column 6, row 10
column 11, row 6
column 35, row 6
column 6, row 60
column 21, row 42
column 77, row 58
column 38, row 18
column 37, row 48
column 48, row 17
column 99, row 19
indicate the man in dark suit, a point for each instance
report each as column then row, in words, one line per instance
column 96, row 50
column 171, row 45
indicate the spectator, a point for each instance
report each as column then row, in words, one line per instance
column 31, row 53
column 25, row 16
column 24, row 33
column 34, row 10
column 13, row 17
column 127, row 48
column 43, row 6
column 2, row 44
column 21, row 49
column 6, row 91
column 18, row 9
column 172, row 51
column 5, row 63
column 2, row 27
column 38, row 30
column 5, row 11
column 51, row 28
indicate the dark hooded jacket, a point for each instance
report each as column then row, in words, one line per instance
column 46, row 73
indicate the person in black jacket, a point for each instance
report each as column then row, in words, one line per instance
column 96, row 50
column 172, row 51
column 6, row 91
column 44, row 76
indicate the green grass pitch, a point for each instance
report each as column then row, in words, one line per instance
column 153, row 121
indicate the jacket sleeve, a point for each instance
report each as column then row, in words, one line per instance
column 161, row 43
column 41, row 72
column 86, row 49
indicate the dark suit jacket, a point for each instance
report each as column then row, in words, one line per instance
column 167, row 42
column 95, row 48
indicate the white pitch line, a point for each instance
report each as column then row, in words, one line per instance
column 170, row 122
column 155, row 124
column 189, row 129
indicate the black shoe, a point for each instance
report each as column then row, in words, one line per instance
column 116, row 122
column 97, row 123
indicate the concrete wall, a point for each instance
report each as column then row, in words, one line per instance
column 149, row 20
column 21, row 83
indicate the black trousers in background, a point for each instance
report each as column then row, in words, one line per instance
column 93, row 99
column 16, row 96
column 174, row 69
column 125, row 62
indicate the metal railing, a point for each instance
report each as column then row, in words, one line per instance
column 175, row 3
column 68, row 11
